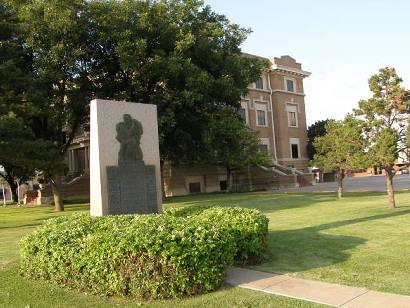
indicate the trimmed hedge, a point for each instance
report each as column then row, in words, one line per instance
column 249, row 227
column 148, row 256
column 184, row 252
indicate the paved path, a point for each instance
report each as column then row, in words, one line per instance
column 368, row 183
column 314, row 291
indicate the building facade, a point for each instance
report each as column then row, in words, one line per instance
column 275, row 107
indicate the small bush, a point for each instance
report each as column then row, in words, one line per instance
column 149, row 256
column 249, row 227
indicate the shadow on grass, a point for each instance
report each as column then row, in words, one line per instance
column 307, row 248
column 303, row 249
column 343, row 223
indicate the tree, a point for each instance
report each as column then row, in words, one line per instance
column 317, row 129
column 15, row 63
column 179, row 55
column 385, row 116
column 57, row 35
column 233, row 145
column 340, row 149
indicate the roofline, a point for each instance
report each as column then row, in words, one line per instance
column 282, row 68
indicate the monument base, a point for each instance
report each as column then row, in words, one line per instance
column 132, row 189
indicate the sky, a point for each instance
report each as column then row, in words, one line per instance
column 341, row 42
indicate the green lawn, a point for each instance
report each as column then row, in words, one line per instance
column 18, row 292
column 355, row 241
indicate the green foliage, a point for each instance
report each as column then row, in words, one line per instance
column 179, row 55
column 183, row 252
column 15, row 59
column 149, row 256
column 342, row 147
column 57, row 36
column 248, row 226
column 15, row 138
column 385, row 148
column 232, row 144
column 385, row 115
column 317, row 129
column 19, row 147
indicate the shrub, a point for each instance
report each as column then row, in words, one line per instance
column 149, row 256
column 249, row 227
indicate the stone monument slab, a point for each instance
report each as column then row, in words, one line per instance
column 124, row 158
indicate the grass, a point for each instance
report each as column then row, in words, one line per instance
column 18, row 292
column 355, row 241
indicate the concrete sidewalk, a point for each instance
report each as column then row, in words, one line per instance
column 314, row 291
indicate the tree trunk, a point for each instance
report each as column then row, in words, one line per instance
column 57, row 193
column 390, row 189
column 340, row 176
column 13, row 189
column 162, row 180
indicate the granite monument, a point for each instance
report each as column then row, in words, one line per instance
column 125, row 176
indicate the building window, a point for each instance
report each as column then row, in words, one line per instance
column 259, row 83
column 294, row 148
column 292, row 119
column 292, row 111
column 261, row 117
column 195, row 187
column 290, row 85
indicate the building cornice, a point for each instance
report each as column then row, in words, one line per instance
column 289, row 70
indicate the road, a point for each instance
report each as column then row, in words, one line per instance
column 368, row 183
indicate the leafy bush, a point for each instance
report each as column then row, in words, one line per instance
column 249, row 227
column 149, row 256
